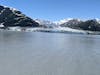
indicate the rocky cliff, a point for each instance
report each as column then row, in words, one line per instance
column 12, row 17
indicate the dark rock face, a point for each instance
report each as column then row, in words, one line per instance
column 12, row 17
column 72, row 24
column 91, row 25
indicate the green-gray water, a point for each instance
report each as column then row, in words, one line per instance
column 36, row 53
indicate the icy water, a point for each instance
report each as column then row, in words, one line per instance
column 37, row 53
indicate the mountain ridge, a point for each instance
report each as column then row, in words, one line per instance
column 10, row 17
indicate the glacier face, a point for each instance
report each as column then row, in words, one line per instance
column 46, row 23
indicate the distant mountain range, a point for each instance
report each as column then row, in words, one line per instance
column 10, row 17
column 91, row 25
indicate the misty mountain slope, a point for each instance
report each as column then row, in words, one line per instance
column 12, row 17
column 46, row 23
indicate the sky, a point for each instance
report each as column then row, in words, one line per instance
column 56, row 9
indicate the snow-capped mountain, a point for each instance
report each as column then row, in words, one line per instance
column 63, row 21
column 12, row 17
column 74, row 21
column 46, row 23
column 66, row 21
column 98, row 20
column 91, row 24
column 71, row 22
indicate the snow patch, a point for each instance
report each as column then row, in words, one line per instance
column 1, row 25
column 65, row 20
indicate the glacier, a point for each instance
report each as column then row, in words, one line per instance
column 51, row 30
